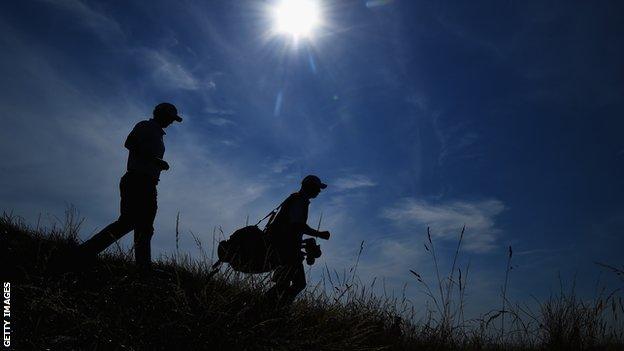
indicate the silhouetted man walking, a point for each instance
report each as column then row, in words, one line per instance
column 286, row 232
column 138, row 187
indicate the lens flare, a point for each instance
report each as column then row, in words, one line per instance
column 297, row 18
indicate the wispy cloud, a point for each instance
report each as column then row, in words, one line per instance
column 446, row 219
column 220, row 121
column 353, row 181
column 168, row 71
column 80, row 145
column 104, row 26
column 397, row 252
column 466, row 35
column 281, row 164
column 219, row 112
column 457, row 140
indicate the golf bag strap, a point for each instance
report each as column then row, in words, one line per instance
column 272, row 213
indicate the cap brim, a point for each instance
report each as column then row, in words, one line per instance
column 323, row 186
column 177, row 118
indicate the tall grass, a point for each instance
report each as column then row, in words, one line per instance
column 563, row 321
column 109, row 305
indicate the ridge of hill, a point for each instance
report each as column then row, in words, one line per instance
column 108, row 305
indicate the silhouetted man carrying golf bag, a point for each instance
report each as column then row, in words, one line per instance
column 279, row 246
column 285, row 233
column 138, row 188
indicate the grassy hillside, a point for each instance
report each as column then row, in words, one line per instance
column 108, row 305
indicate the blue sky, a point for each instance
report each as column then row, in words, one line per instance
column 504, row 116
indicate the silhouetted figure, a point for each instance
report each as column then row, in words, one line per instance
column 138, row 188
column 286, row 232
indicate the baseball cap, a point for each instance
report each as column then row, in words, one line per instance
column 166, row 109
column 313, row 180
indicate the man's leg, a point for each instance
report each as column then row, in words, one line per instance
column 282, row 283
column 144, row 229
column 289, row 282
column 298, row 279
column 143, row 248
column 100, row 241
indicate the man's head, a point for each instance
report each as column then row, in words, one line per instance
column 165, row 113
column 311, row 186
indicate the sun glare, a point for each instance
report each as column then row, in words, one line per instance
column 297, row 18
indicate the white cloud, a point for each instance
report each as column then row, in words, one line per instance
column 77, row 143
column 104, row 26
column 76, row 155
column 447, row 219
column 397, row 251
column 168, row 71
column 219, row 112
column 220, row 121
column 456, row 140
column 353, row 181
column 282, row 164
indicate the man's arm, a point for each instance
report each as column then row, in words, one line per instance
column 304, row 228
column 298, row 215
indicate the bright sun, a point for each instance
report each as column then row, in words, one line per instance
column 296, row 17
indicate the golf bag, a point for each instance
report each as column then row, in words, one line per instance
column 251, row 250
column 248, row 250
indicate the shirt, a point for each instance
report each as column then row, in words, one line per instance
column 145, row 143
column 294, row 210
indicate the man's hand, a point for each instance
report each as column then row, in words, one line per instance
column 162, row 164
column 323, row 235
column 305, row 229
